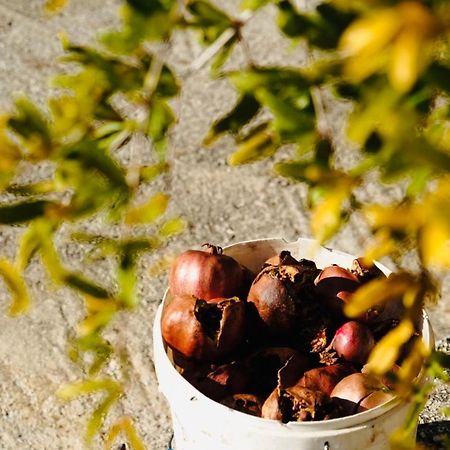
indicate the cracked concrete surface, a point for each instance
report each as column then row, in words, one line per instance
column 222, row 204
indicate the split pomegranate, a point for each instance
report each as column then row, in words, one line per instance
column 201, row 330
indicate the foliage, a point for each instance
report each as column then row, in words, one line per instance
column 389, row 58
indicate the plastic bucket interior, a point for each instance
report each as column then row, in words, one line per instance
column 200, row 423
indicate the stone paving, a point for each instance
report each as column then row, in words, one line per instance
column 222, row 204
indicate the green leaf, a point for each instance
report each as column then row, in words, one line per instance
column 290, row 121
column 127, row 277
column 322, row 28
column 23, row 211
column 222, row 55
column 245, row 109
column 161, row 118
column 286, row 82
column 210, row 21
column 30, row 123
column 92, row 157
column 79, row 282
column 168, row 85
column 28, row 246
column 20, row 298
column 149, row 211
column 139, row 26
column 148, row 7
column 254, row 4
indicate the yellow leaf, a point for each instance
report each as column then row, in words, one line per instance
column 379, row 292
column 408, row 58
column 398, row 217
column 172, row 226
column 94, row 322
column 382, row 245
column 259, row 146
column 20, row 300
column 387, row 350
column 327, row 214
column 435, row 243
column 371, row 33
column 125, row 425
column 54, row 6
column 411, row 367
column 74, row 390
column 148, row 212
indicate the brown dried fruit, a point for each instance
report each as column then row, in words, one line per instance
column 365, row 271
column 299, row 404
column 265, row 366
column 281, row 295
column 220, row 382
column 246, row 403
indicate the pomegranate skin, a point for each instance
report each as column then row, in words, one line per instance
column 353, row 342
column 207, row 275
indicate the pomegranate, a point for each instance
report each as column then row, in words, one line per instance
column 324, row 379
column 355, row 388
column 334, row 285
column 207, row 275
column 282, row 295
column 353, row 342
column 201, row 330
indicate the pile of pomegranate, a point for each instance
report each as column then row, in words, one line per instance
column 276, row 344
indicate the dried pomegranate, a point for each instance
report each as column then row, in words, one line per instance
column 281, row 295
column 246, row 403
column 221, row 381
column 299, row 404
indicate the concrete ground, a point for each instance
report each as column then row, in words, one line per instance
column 222, row 204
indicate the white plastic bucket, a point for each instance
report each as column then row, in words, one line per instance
column 200, row 423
